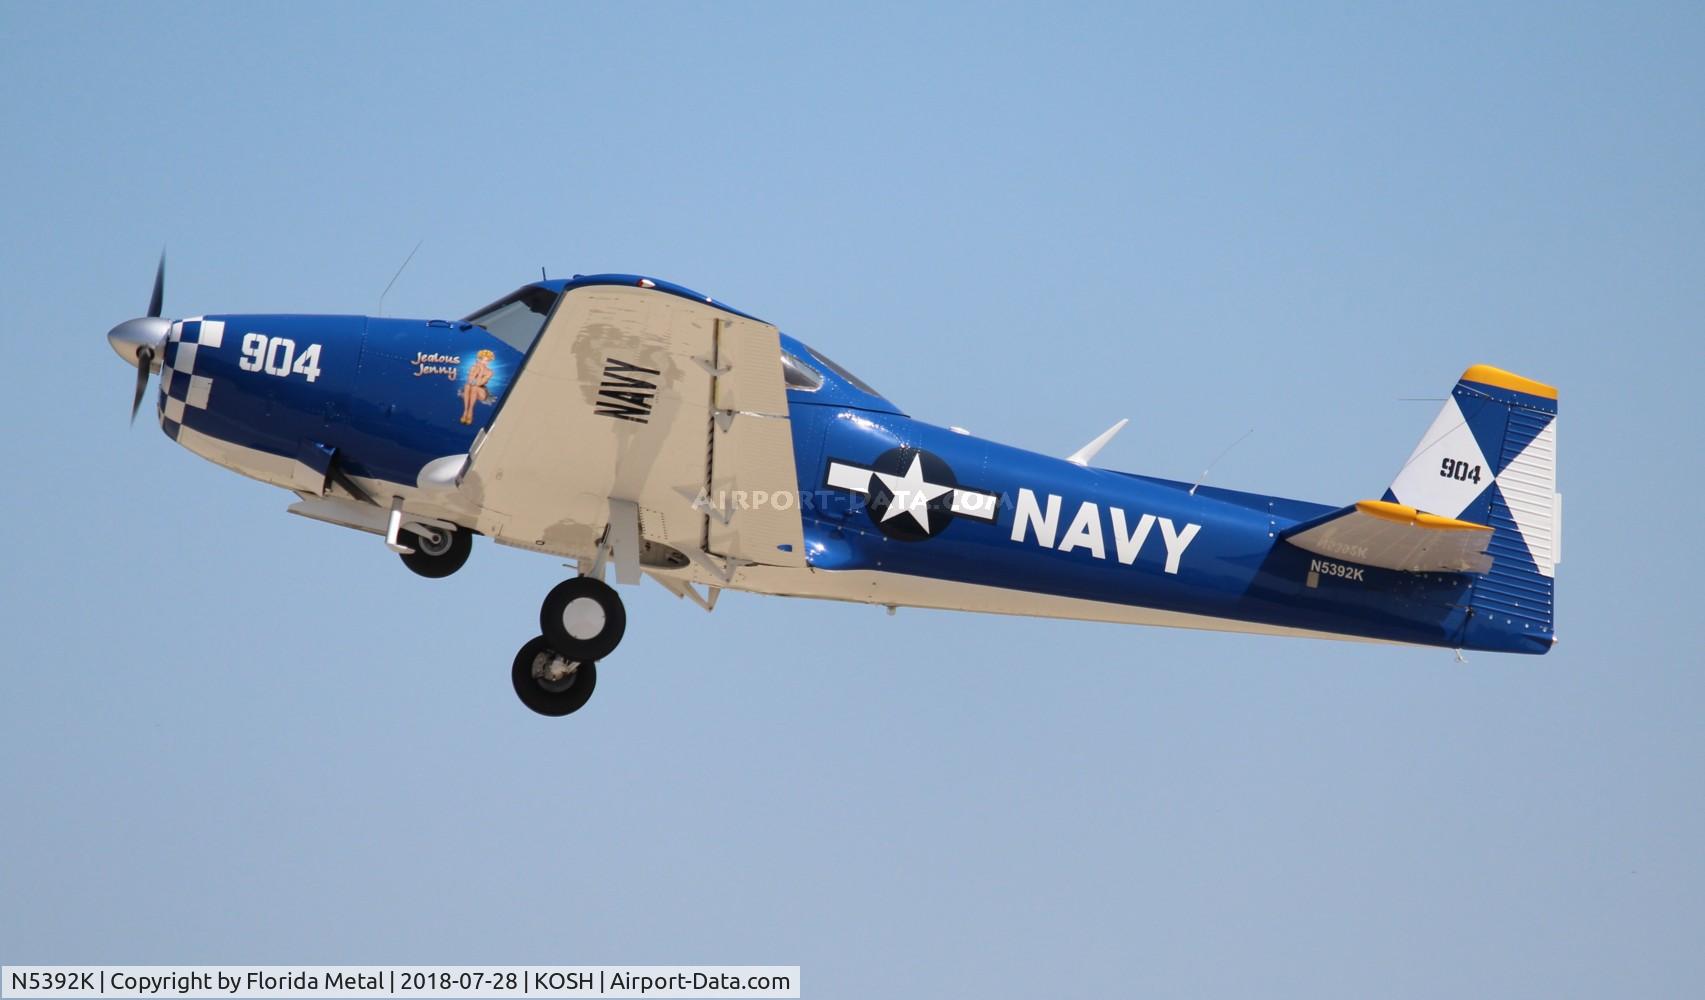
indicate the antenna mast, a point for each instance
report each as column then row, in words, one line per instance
column 399, row 274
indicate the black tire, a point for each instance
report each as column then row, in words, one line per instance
column 542, row 696
column 568, row 622
column 436, row 557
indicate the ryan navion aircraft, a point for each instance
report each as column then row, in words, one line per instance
column 642, row 429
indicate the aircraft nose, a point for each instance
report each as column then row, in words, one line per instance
column 131, row 336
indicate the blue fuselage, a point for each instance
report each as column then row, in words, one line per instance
column 1102, row 536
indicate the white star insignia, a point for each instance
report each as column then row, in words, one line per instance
column 912, row 493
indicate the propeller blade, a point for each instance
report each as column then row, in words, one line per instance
column 144, row 363
column 159, row 297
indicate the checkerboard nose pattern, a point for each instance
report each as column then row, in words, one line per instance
column 181, row 388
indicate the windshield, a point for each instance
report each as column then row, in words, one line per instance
column 517, row 318
column 798, row 374
column 857, row 383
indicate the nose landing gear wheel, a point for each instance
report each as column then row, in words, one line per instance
column 438, row 553
column 583, row 618
column 549, row 684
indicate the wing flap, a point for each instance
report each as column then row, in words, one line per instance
column 1392, row 536
column 754, row 484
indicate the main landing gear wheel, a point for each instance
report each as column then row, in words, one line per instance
column 583, row 618
column 549, row 684
column 437, row 552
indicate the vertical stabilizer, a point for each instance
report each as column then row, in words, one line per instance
column 1490, row 457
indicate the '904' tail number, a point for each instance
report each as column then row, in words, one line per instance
column 277, row 356
column 1462, row 472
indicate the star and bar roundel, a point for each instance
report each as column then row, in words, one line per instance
column 911, row 494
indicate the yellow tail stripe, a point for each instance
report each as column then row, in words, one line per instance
column 1487, row 375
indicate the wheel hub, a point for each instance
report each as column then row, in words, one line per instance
column 434, row 543
column 553, row 673
column 583, row 618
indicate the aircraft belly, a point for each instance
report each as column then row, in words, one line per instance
column 277, row 470
column 902, row 590
column 1243, row 583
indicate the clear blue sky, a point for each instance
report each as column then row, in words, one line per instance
column 231, row 735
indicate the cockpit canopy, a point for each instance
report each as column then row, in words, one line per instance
column 802, row 376
column 812, row 377
column 517, row 318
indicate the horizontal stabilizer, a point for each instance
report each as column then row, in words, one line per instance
column 1392, row 536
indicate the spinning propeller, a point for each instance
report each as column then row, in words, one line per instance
column 140, row 340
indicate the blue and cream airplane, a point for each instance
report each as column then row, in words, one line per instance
column 642, row 429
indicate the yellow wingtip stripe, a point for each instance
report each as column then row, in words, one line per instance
column 1487, row 375
column 1416, row 518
